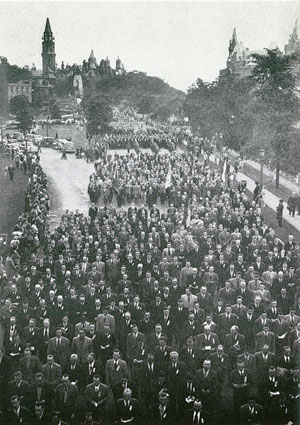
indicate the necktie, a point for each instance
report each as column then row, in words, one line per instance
column 65, row 395
column 116, row 365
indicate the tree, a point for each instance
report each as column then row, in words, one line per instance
column 277, row 104
column 98, row 113
column 201, row 107
column 20, row 107
column 54, row 109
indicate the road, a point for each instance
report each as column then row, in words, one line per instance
column 68, row 182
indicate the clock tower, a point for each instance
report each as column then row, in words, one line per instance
column 48, row 52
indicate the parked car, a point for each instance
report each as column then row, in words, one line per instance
column 37, row 138
column 56, row 145
column 66, row 145
column 11, row 124
column 47, row 142
column 30, row 147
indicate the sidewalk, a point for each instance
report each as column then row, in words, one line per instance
column 271, row 201
column 287, row 183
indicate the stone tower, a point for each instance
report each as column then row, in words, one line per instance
column 92, row 64
column 48, row 51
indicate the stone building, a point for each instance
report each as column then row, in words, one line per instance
column 239, row 62
column 21, row 88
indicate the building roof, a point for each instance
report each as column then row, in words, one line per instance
column 48, row 27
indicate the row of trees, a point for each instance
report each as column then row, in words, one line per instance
column 256, row 112
column 23, row 110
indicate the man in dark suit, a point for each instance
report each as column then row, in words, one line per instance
column 265, row 338
column 246, row 325
column 234, row 344
column 99, row 398
column 261, row 322
column 66, row 398
column 207, row 387
column 240, row 381
column 59, row 346
column 31, row 334
column 205, row 300
column 107, row 343
column 162, row 412
column 264, row 359
column 190, row 355
column 112, row 267
column 133, row 342
column 52, row 371
column 249, row 360
column 245, row 293
column 18, row 386
column 40, row 416
column 90, row 369
column 82, row 345
column 128, row 409
column 115, row 369
column 225, row 322
column 41, row 391
column 251, row 413
column 176, row 372
column 29, row 365
column 286, row 360
column 220, row 363
column 271, row 388
column 73, row 370
column 5, row 373
column 227, row 294
column 206, row 342
column 161, row 353
column 17, row 414
column 196, row 415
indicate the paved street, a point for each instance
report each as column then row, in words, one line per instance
column 69, row 180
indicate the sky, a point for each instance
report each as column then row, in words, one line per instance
column 176, row 41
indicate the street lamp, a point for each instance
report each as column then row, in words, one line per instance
column 262, row 155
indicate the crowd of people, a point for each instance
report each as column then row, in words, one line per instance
column 184, row 314
column 146, row 178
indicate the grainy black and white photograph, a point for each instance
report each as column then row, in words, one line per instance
column 150, row 212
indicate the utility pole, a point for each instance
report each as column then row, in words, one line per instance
column 277, row 173
column 262, row 154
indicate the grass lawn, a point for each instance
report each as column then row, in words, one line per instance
column 282, row 192
column 12, row 197
column 281, row 232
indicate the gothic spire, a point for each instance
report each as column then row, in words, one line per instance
column 233, row 42
column 92, row 56
column 48, row 35
column 294, row 35
column 48, row 26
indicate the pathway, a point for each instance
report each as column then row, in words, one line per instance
column 271, row 201
column 69, row 181
column 288, row 183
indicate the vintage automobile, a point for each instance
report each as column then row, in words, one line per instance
column 47, row 142
column 66, row 145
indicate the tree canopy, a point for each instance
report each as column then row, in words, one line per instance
column 254, row 112
column 20, row 107
column 98, row 113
